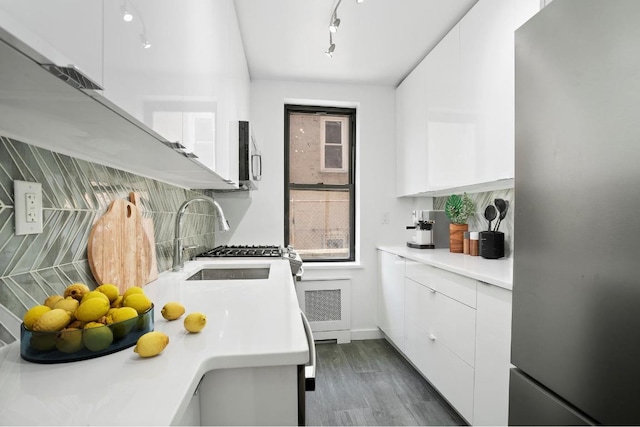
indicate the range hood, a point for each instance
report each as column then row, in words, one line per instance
column 49, row 107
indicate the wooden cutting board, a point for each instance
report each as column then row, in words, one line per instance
column 118, row 250
column 147, row 225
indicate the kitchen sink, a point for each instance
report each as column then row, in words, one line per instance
column 231, row 274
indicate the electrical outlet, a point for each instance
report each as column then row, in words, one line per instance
column 27, row 197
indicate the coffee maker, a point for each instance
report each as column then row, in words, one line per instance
column 423, row 235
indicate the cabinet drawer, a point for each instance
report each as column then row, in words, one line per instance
column 453, row 285
column 442, row 319
column 448, row 373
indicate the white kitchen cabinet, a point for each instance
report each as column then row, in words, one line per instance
column 191, row 85
column 391, row 302
column 411, row 133
column 487, row 82
column 467, row 82
column 65, row 32
column 493, row 351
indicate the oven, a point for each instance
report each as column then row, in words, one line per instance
column 306, row 373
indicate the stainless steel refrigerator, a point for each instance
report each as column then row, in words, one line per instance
column 576, row 290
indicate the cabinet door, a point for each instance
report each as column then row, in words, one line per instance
column 487, row 82
column 391, row 297
column 493, row 349
column 65, row 32
column 411, row 134
column 451, row 150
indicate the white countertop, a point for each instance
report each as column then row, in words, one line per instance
column 249, row 323
column 498, row 272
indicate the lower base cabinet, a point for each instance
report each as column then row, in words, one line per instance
column 250, row 396
column 457, row 333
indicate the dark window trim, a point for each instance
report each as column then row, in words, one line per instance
column 351, row 112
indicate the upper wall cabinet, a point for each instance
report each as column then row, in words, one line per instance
column 174, row 78
column 466, row 110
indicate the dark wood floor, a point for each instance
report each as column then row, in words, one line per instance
column 367, row 383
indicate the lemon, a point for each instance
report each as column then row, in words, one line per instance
column 194, row 322
column 92, row 309
column 52, row 300
column 132, row 290
column 172, row 310
column 52, row 320
column 69, row 340
column 95, row 294
column 76, row 290
column 96, row 336
column 139, row 302
column 43, row 341
column 33, row 314
column 117, row 302
column 69, row 304
column 151, row 344
column 122, row 320
column 111, row 291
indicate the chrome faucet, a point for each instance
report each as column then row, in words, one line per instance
column 178, row 248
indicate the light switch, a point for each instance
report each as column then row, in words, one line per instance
column 27, row 197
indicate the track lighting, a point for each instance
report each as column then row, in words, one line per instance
column 334, row 23
column 359, row 1
column 145, row 42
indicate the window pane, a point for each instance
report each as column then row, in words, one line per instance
column 333, row 132
column 305, row 149
column 319, row 224
column 333, row 156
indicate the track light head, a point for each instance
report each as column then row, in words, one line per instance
column 126, row 15
column 359, row 1
column 145, row 43
column 329, row 52
column 334, row 25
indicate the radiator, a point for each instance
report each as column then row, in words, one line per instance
column 326, row 303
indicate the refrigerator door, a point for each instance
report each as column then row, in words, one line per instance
column 534, row 406
column 576, row 291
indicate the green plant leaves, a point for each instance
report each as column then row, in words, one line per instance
column 459, row 209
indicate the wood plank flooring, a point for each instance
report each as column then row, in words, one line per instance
column 368, row 383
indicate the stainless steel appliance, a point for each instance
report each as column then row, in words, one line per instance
column 249, row 156
column 575, row 340
column 255, row 251
column 423, row 231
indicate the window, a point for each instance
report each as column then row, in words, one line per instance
column 320, row 182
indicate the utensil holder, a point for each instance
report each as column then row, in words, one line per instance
column 492, row 244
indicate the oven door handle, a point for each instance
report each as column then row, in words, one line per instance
column 310, row 367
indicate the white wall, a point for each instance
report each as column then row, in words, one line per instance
column 258, row 217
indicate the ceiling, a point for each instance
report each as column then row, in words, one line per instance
column 378, row 42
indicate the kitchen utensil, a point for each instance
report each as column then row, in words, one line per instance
column 147, row 225
column 490, row 214
column 118, row 249
column 503, row 206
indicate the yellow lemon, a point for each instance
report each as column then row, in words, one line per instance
column 96, row 336
column 92, row 309
column 172, row 310
column 69, row 304
column 139, row 302
column 132, row 290
column 194, row 322
column 95, row 294
column 52, row 320
column 122, row 320
column 111, row 291
column 52, row 300
column 69, row 340
column 117, row 302
column 151, row 344
column 34, row 314
column 76, row 290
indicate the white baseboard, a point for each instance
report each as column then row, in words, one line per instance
column 366, row 334
column 343, row 337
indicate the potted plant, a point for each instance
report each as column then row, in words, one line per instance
column 458, row 210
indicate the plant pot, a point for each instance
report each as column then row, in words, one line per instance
column 456, row 237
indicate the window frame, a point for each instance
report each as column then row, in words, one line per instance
column 344, row 147
column 350, row 147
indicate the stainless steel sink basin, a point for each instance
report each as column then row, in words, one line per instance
column 231, row 274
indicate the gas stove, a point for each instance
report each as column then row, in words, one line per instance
column 255, row 251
